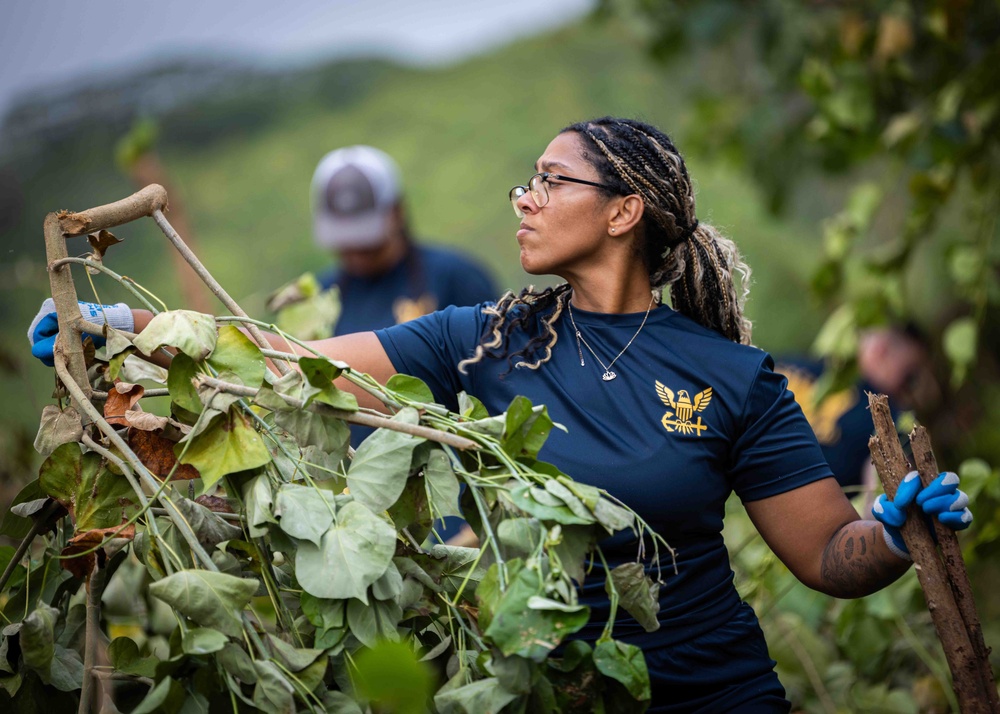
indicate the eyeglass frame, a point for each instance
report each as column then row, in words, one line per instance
column 545, row 177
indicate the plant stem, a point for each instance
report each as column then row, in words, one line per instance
column 212, row 283
column 95, row 588
column 371, row 420
column 110, row 273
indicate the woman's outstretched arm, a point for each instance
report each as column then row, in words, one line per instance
column 816, row 532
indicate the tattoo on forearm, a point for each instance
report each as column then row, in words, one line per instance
column 851, row 564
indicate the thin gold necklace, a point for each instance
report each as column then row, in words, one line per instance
column 608, row 374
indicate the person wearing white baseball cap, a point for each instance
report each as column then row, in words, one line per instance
column 384, row 276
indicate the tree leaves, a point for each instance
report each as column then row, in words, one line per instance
column 352, row 555
column 639, row 595
column 303, row 512
column 190, row 332
column 57, row 427
column 94, row 496
column 378, row 473
column 210, row 599
column 624, row 663
column 229, row 445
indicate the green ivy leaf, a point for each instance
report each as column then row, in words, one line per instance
column 518, row 629
column 294, row 660
column 273, row 692
column 183, row 393
column 96, row 497
column 304, row 512
column 37, row 638
column 15, row 526
column 483, row 695
column 352, row 555
column 639, row 595
column 626, row 664
column 320, row 373
column 378, row 473
column 167, row 696
column 544, row 506
column 207, row 526
column 237, row 662
column 441, row 484
column 315, row 428
column 374, row 622
column 258, row 502
column 410, row 388
column 123, row 653
column 235, row 353
column 229, row 445
column 211, row 599
column 526, row 428
column 202, row 640
column 191, row 332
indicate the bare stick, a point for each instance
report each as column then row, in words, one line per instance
column 954, row 564
column 891, row 464
column 95, row 587
column 64, row 297
column 376, row 422
column 212, row 283
column 139, row 205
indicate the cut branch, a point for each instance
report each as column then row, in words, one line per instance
column 371, row 420
column 891, row 464
column 958, row 576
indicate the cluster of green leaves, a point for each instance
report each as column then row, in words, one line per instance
column 327, row 573
column 905, row 94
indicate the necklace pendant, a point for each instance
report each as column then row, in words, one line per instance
column 608, row 376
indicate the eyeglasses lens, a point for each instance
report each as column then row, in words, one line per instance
column 539, row 191
column 515, row 194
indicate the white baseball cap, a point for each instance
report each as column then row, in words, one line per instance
column 354, row 191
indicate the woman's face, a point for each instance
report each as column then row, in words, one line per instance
column 568, row 232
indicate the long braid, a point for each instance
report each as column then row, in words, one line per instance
column 701, row 277
column 519, row 312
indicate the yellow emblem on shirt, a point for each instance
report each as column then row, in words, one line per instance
column 684, row 408
column 405, row 309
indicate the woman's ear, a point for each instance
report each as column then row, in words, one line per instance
column 625, row 214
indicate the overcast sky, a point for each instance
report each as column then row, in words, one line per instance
column 48, row 42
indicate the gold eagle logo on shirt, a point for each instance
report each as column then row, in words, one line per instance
column 684, row 408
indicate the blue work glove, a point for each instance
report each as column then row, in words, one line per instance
column 44, row 328
column 941, row 498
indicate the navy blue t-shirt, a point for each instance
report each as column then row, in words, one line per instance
column 690, row 418
column 428, row 279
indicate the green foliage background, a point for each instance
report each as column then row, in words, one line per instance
column 463, row 135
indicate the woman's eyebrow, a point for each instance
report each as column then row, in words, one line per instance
column 549, row 165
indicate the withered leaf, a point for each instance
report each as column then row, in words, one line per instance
column 217, row 504
column 83, row 565
column 58, row 426
column 120, row 399
column 145, row 421
column 101, row 241
column 157, row 453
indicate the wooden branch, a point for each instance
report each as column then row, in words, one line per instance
column 95, row 588
column 891, row 464
column 958, row 576
column 376, row 422
column 139, row 205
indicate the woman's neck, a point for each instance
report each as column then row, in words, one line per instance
column 611, row 296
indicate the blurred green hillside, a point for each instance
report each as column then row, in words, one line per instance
column 462, row 135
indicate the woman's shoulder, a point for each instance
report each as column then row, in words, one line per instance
column 706, row 344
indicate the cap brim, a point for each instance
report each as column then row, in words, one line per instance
column 367, row 231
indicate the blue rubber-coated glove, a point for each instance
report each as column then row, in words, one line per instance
column 45, row 327
column 941, row 499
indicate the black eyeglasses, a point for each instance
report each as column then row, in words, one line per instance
column 540, row 192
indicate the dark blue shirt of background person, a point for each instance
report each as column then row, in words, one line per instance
column 383, row 276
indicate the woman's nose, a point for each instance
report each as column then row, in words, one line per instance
column 526, row 203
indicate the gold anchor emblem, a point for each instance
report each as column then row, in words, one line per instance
column 684, row 408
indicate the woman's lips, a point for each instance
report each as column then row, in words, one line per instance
column 524, row 229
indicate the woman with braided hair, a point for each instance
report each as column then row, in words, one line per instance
column 667, row 408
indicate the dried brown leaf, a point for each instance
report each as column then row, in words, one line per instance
column 217, row 504
column 83, row 565
column 120, row 399
column 102, row 240
column 157, row 453
column 145, row 421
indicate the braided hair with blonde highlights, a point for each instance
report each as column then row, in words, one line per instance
column 681, row 253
